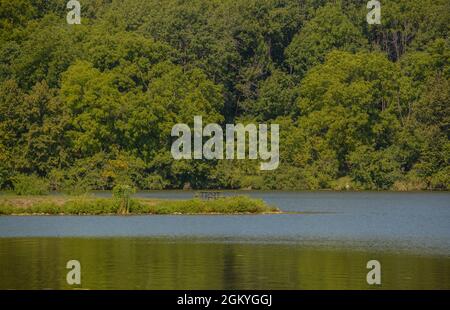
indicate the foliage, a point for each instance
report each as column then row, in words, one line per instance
column 122, row 193
column 91, row 106
column 83, row 205
column 30, row 185
column 329, row 29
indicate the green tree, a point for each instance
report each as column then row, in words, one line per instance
column 329, row 29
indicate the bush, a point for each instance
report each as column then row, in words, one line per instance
column 30, row 185
column 375, row 170
column 344, row 183
column 122, row 194
column 155, row 182
column 228, row 205
column 441, row 179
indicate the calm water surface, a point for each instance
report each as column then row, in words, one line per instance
column 325, row 246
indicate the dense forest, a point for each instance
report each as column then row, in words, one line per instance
column 91, row 106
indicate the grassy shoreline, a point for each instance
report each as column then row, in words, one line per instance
column 88, row 205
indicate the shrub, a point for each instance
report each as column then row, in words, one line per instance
column 344, row 183
column 155, row 182
column 228, row 205
column 30, row 185
column 122, row 194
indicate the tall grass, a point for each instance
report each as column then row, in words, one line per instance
column 228, row 205
column 122, row 193
column 30, row 185
column 105, row 206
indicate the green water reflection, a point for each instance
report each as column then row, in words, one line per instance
column 139, row 263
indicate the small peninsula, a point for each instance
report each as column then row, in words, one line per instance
column 90, row 205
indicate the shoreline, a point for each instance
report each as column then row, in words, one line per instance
column 250, row 191
column 13, row 205
column 243, row 191
column 142, row 214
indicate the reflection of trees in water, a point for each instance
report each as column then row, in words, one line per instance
column 124, row 263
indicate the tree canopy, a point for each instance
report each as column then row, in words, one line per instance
column 359, row 106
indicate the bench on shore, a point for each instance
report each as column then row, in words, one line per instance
column 208, row 195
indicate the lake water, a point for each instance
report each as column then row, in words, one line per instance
column 324, row 243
